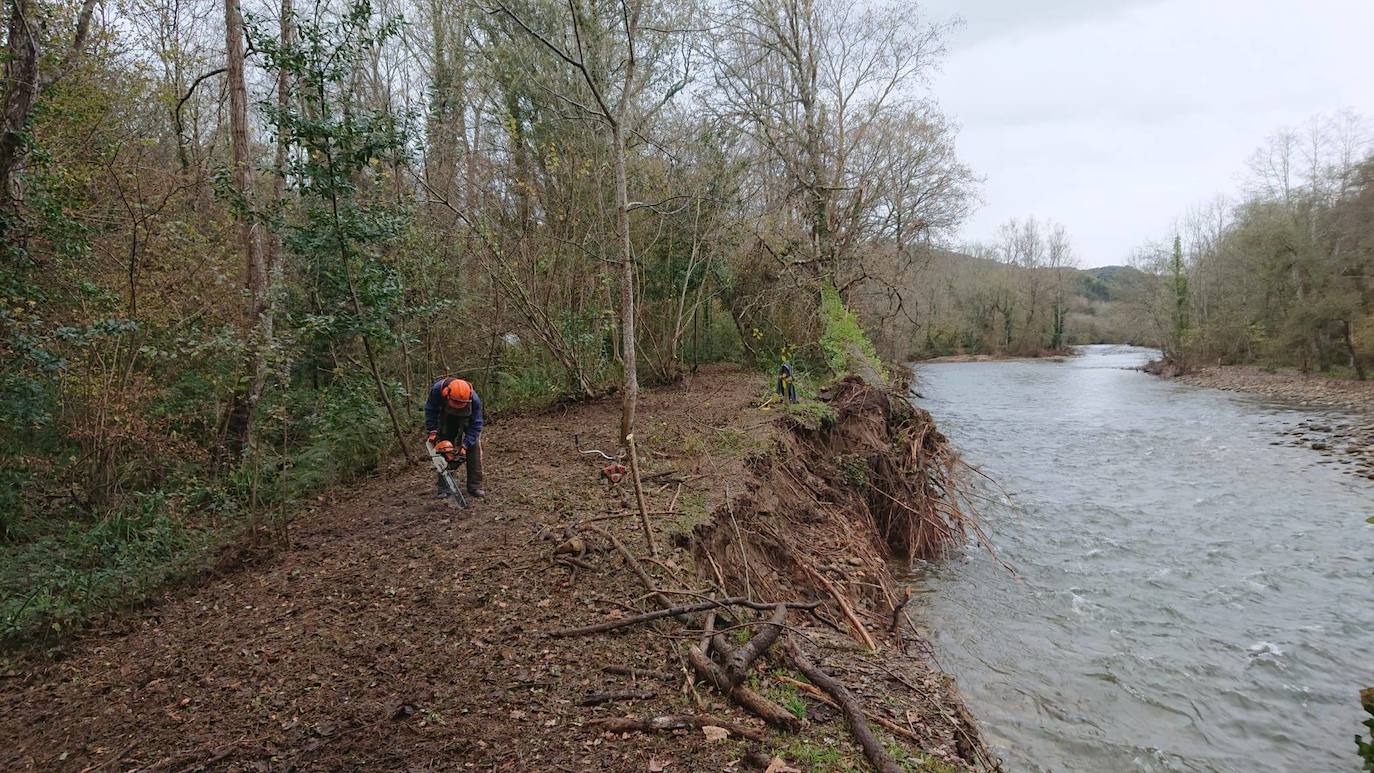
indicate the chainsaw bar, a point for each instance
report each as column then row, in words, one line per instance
column 446, row 475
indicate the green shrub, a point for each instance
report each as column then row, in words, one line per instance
column 61, row 579
column 12, row 483
column 842, row 336
column 811, row 414
column 815, row 757
column 348, row 435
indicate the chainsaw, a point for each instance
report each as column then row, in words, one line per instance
column 445, row 464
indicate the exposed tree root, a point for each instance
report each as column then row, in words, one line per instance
column 856, row 625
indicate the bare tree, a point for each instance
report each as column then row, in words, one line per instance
column 822, row 89
column 258, row 314
column 601, row 42
column 1059, row 258
column 1022, row 244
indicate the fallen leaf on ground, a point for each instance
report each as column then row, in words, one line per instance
column 714, row 733
column 779, row 765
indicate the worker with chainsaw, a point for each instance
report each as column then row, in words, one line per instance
column 453, row 422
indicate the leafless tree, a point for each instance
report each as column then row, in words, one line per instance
column 258, row 315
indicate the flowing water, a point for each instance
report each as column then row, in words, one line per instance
column 1190, row 596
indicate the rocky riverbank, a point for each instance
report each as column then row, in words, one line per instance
column 1345, row 434
column 1047, row 354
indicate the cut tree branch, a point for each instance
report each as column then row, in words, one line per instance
column 659, row 614
column 874, row 752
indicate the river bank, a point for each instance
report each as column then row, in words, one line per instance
column 398, row 633
column 1048, row 354
column 1346, row 436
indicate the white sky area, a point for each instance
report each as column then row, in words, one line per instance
column 1115, row 116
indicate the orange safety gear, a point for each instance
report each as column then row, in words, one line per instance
column 458, row 393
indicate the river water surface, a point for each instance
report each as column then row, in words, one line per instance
column 1190, row 596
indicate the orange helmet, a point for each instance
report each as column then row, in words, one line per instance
column 458, row 393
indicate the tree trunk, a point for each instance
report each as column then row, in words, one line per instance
column 275, row 261
column 630, row 390
column 1355, row 362
column 21, row 79
column 283, row 142
column 258, row 315
column 22, row 84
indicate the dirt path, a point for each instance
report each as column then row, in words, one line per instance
column 400, row 634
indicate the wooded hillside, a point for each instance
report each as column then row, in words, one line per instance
column 999, row 301
column 1283, row 273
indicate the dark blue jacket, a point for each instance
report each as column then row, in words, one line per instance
column 436, row 405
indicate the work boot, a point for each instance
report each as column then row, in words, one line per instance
column 476, row 492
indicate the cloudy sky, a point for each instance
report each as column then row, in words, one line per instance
column 1113, row 116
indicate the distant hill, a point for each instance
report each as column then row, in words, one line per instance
column 1113, row 283
column 1112, row 306
column 972, row 304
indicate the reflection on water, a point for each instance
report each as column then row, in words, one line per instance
column 1190, row 597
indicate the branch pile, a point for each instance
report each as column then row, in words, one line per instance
column 802, row 558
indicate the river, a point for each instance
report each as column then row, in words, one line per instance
column 1189, row 595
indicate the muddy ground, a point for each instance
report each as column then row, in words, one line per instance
column 397, row 633
column 1345, row 435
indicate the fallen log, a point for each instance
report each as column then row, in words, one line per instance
column 673, row 722
column 762, row 707
column 873, row 749
column 738, row 663
column 641, row 673
column 598, row 698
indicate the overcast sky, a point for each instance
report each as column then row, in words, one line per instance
column 1113, row 116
